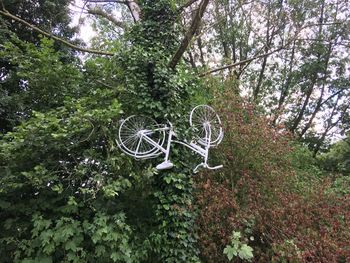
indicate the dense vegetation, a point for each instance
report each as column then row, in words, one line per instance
column 68, row 194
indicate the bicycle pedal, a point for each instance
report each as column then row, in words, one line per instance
column 165, row 165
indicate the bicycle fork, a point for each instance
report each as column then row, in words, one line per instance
column 205, row 153
column 166, row 164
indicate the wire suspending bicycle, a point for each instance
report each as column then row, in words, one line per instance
column 142, row 137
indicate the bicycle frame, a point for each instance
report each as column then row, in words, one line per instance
column 202, row 151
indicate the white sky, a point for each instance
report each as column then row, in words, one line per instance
column 80, row 18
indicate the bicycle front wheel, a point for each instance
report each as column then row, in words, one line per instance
column 132, row 133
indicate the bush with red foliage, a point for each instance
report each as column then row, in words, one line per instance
column 260, row 194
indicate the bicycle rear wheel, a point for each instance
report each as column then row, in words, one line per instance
column 205, row 120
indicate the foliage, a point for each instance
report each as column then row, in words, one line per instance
column 158, row 91
column 302, row 80
column 287, row 207
column 153, row 88
column 68, row 194
column 337, row 159
column 238, row 249
column 15, row 102
column 59, row 173
column 64, row 187
column 40, row 79
column 41, row 13
column 341, row 186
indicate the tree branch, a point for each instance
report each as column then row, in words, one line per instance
column 134, row 9
column 107, row 1
column 131, row 4
column 99, row 12
column 332, row 96
column 268, row 53
column 240, row 62
column 189, row 3
column 65, row 42
column 189, row 35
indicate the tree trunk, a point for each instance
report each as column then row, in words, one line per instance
column 201, row 54
column 261, row 76
column 223, row 41
column 300, row 115
column 189, row 34
column 319, row 102
column 134, row 9
column 191, row 60
column 270, row 33
column 285, row 87
column 330, row 126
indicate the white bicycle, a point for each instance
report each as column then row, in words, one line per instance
column 142, row 137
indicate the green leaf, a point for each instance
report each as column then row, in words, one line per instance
column 230, row 252
column 115, row 256
column 246, row 252
column 70, row 245
column 167, row 179
column 236, row 235
column 44, row 260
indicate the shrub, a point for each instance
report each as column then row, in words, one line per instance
column 264, row 192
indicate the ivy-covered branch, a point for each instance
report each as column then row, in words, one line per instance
column 7, row 14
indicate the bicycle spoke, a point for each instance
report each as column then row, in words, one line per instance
column 202, row 118
column 131, row 136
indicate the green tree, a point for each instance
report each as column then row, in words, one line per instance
column 68, row 194
column 17, row 94
column 337, row 159
column 287, row 57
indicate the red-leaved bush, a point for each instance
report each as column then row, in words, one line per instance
column 291, row 218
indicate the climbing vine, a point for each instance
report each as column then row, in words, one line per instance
column 154, row 89
column 68, row 194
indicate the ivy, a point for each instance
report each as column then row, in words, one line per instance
column 155, row 90
column 68, row 194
